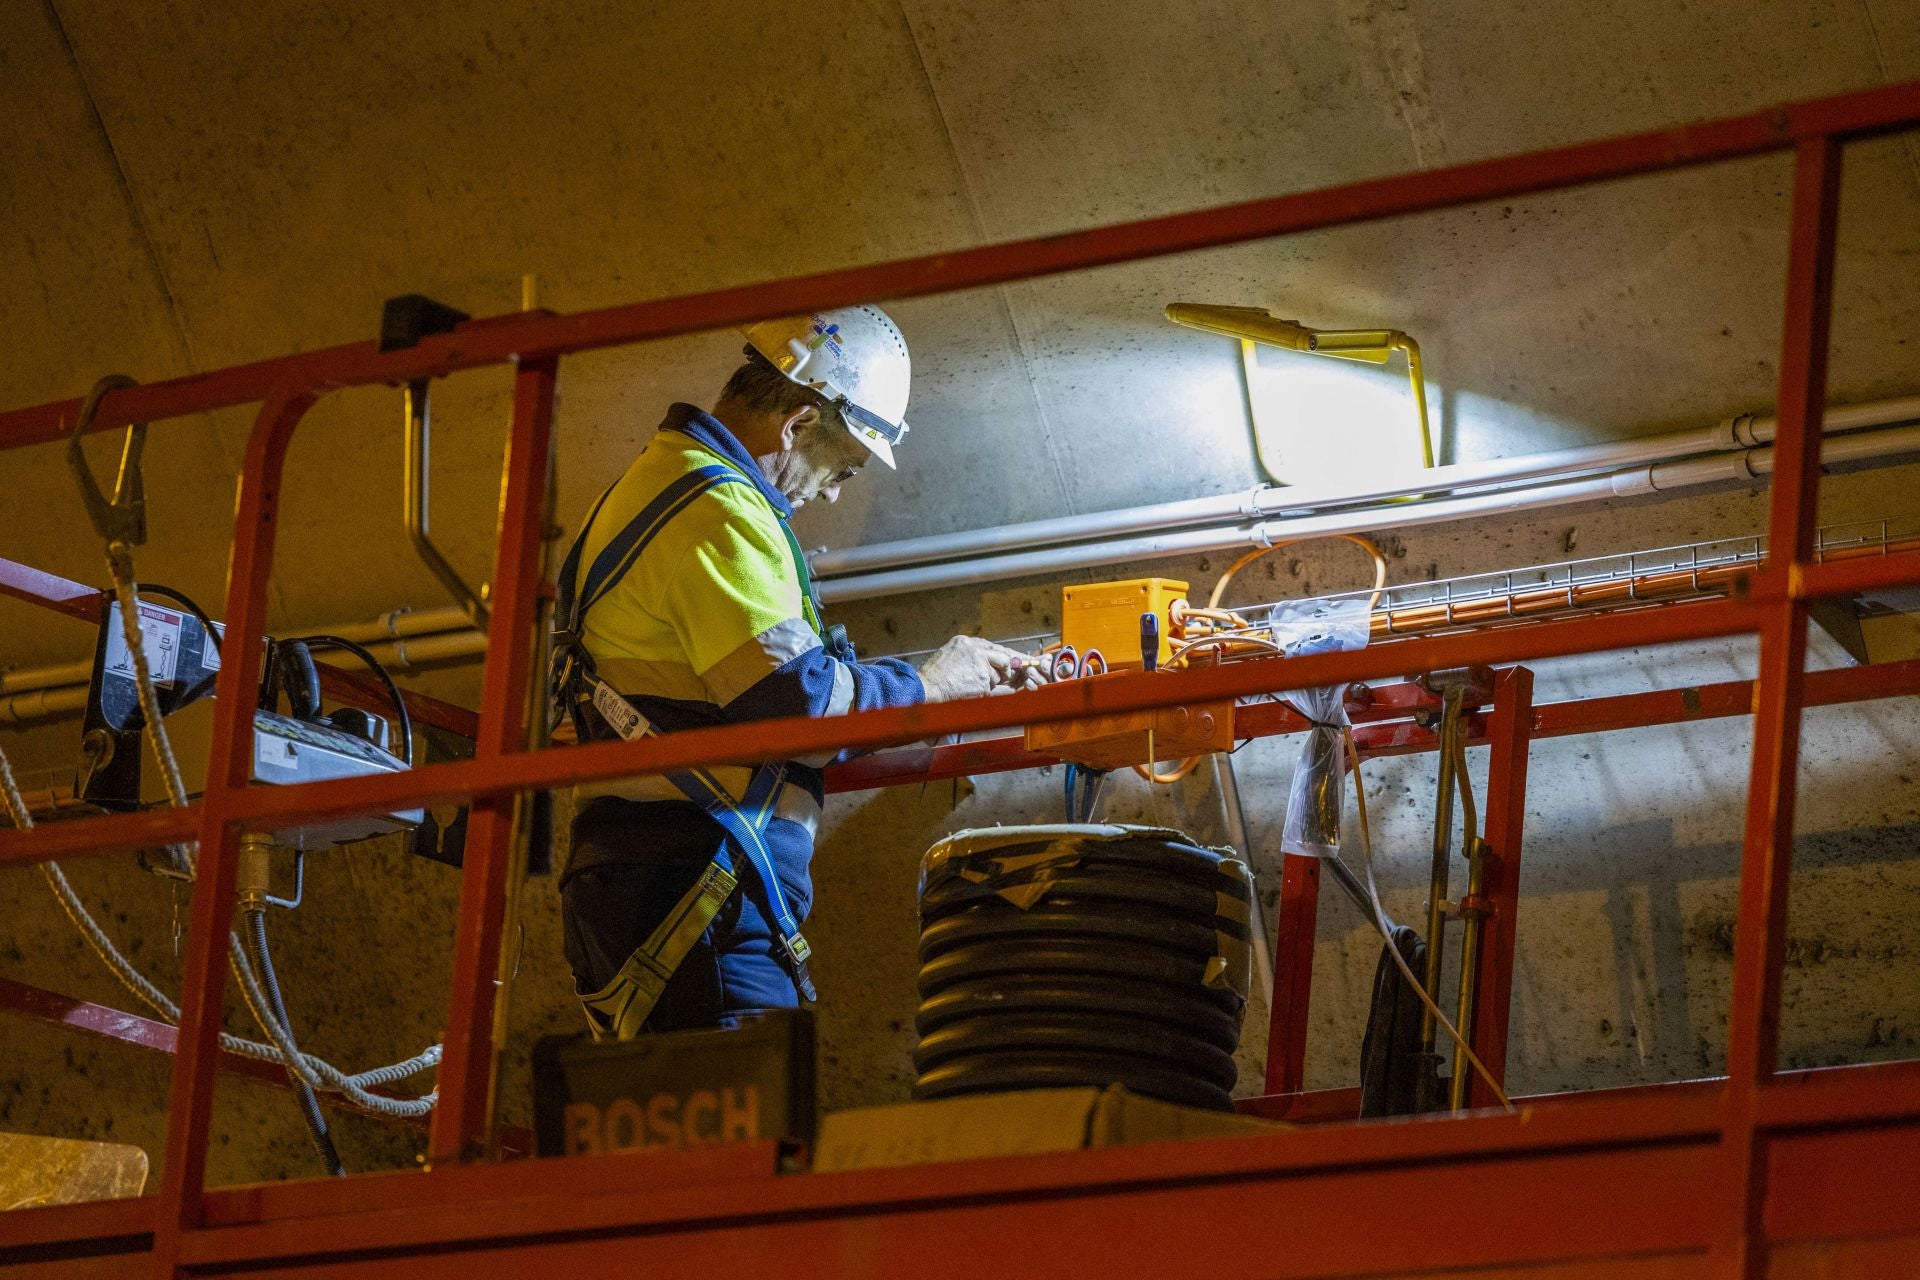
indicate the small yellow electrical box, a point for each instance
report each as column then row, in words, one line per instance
column 1106, row 616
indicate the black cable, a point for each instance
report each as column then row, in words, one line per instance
column 204, row 685
column 185, row 601
column 277, row 1008
column 373, row 664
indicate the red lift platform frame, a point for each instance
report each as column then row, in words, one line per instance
column 1759, row 1173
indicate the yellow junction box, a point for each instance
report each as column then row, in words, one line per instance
column 1106, row 616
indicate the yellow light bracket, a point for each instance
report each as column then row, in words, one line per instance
column 1253, row 326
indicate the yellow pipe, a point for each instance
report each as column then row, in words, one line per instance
column 1419, row 384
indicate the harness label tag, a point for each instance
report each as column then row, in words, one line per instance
column 618, row 712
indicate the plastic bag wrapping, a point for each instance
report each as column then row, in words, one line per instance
column 1314, row 804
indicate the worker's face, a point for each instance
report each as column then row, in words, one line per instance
column 821, row 456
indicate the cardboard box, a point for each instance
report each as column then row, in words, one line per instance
column 1024, row 1122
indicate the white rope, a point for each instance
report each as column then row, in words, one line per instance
column 120, row 570
column 316, row 1071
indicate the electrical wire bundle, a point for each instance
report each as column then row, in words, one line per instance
column 1082, row 955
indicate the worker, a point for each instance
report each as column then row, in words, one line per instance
column 685, row 602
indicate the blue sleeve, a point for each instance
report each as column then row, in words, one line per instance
column 886, row 682
column 817, row 684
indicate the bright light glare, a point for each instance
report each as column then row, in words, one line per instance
column 1331, row 422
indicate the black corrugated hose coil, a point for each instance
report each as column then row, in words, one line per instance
column 1093, row 954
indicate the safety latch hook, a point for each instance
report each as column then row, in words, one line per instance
column 122, row 518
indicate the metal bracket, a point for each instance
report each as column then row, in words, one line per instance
column 404, row 322
column 419, row 452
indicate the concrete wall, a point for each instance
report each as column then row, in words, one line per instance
column 185, row 190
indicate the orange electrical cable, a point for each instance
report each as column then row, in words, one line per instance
column 1379, row 564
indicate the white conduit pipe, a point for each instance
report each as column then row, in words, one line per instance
column 1744, row 465
column 1741, row 432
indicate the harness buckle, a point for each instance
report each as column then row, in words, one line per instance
column 796, row 952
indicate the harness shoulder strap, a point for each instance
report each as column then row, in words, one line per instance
column 624, row 548
column 623, row 1005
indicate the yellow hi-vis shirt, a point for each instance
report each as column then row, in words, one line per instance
column 709, row 624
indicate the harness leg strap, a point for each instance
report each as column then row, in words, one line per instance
column 618, row 1010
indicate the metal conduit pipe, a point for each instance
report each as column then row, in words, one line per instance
column 395, row 624
column 12, row 682
column 51, row 700
column 418, row 505
column 400, row 622
column 43, row 704
column 1742, row 465
column 402, row 638
column 1742, row 431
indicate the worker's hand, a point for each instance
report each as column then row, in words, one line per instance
column 969, row 667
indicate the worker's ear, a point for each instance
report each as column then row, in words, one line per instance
column 797, row 422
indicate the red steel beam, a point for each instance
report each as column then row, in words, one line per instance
column 229, row 768
column 451, row 782
column 1509, row 733
column 530, row 335
column 1855, row 575
column 463, row 1120
column 358, row 689
column 1299, row 914
column 109, row 833
column 76, row 600
column 1551, row 1200
column 1766, row 861
column 906, row 765
column 1604, row 714
column 1114, row 1173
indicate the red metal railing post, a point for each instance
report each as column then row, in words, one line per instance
column 1766, row 860
column 229, row 769
column 1299, row 913
column 1509, row 735
column 463, row 1118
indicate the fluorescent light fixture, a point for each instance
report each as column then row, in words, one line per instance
column 1253, row 325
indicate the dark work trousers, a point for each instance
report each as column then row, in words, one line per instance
column 631, row 862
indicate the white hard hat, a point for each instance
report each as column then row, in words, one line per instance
column 855, row 357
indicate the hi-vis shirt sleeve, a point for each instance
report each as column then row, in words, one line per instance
column 734, row 603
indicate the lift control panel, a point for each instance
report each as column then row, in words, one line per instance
column 183, row 661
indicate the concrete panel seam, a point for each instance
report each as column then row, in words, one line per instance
column 1055, row 463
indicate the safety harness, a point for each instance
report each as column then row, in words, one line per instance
column 597, row 710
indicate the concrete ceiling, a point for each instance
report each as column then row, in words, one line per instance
column 186, row 185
